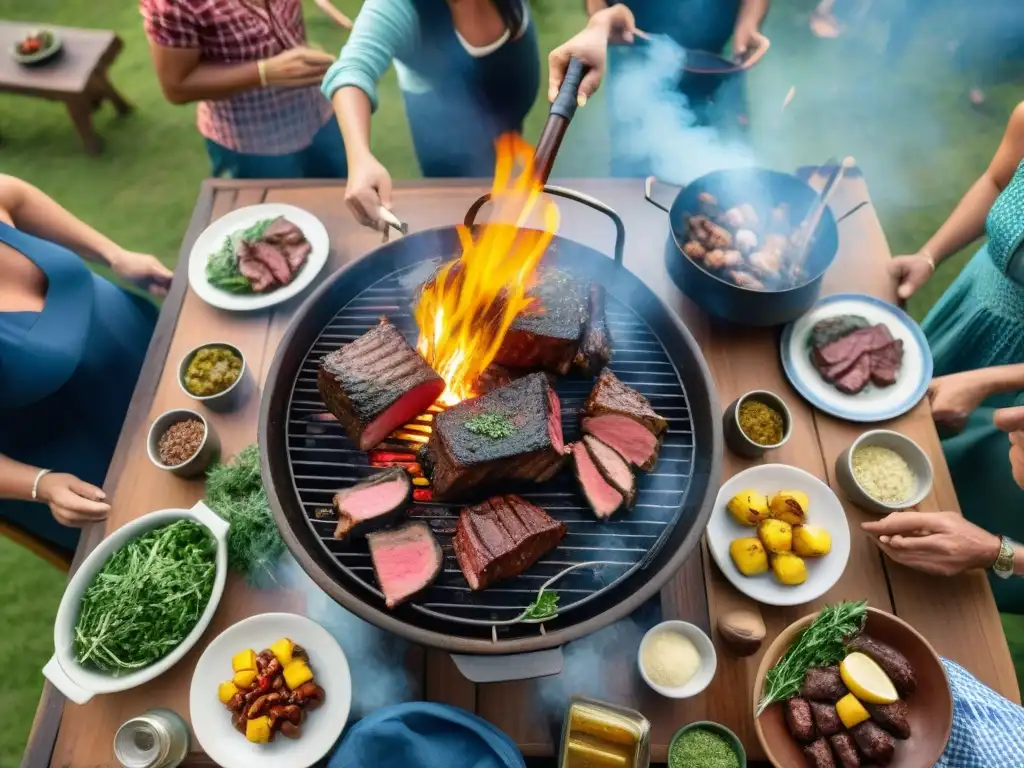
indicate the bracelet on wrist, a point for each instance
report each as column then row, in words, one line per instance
column 929, row 258
column 35, row 483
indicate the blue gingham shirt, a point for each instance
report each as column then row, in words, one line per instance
column 988, row 730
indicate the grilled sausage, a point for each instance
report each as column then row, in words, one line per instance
column 826, row 719
column 892, row 717
column 846, row 750
column 823, row 684
column 799, row 719
column 819, row 755
column 889, row 659
column 874, row 743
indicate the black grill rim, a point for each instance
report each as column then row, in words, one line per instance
column 634, row 590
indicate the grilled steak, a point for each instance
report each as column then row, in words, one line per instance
column 823, row 684
column 862, row 355
column 282, row 232
column 611, row 397
column 406, row 560
column 893, row 662
column 826, row 719
column 856, row 377
column 819, row 755
column 886, row 362
column 851, row 346
column 372, row 503
column 255, row 271
column 799, row 719
column 460, row 457
column 630, row 439
column 595, row 348
column 846, row 750
column 613, row 468
column 273, row 260
column 892, row 717
column 376, row 384
column 547, row 335
column 874, row 743
column 602, row 497
column 501, row 538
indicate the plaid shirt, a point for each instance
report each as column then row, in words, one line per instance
column 264, row 121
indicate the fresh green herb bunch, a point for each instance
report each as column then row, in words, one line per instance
column 235, row 492
column 544, row 607
column 820, row 645
column 493, row 425
column 222, row 267
column 146, row 599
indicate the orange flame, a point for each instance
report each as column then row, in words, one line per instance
column 468, row 305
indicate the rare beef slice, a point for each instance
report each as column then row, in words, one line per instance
column 406, row 560
column 622, row 418
column 372, row 503
column 376, row 384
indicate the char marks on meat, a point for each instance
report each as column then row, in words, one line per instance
column 406, row 560
column 501, row 538
column 892, row 717
column 631, row 440
column 875, row 744
column 460, row 460
column 612, row 397
column 547, row 334
column 864, row 354
column 845, row 749
column 893, row 663
column 613, row 468
column 595, row 349
column 282, row 232
column 376, row 384
column 826, row 718
column 819, row 755
column 823, row 684
column 372, row 503
column 602, row 497
column 799, row 719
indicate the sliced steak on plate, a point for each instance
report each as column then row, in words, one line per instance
column 855, row 378
column 886, row 362
column 283, row 232
column 502, row 537
column 376, row 384
column 851, row 346
column 406, row 560
column 379, row 500
column 595, row 349
column 296, row 254
column 461, row 457
column 601, row 495
column 547, row 334
column 273, row 260
column 612, row 397
column 254, row 270
column 613, row 468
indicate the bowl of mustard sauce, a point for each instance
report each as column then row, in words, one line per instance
column 214, row 374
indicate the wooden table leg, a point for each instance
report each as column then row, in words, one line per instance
column 80, row 109
column 122, row 105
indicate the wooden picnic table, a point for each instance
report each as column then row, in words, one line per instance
column 77, row 75
column 958, row 616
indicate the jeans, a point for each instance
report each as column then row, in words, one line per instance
column 324, row 158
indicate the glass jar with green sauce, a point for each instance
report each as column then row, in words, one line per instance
column 211, row 371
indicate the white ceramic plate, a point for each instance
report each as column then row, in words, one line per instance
column 213, row 237
column 322, row 727
column 824, row 509
column 873, row 403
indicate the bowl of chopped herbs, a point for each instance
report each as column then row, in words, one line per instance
column 139, row 602
column 705, row 744
column 758, row 421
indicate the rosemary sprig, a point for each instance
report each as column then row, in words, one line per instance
column 544, row 607
column 820, row 645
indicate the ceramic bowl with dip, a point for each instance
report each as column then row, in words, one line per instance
column 206, row 450
column 883, row 471
column 703, row 744
column 760, row 406
column 214, row 374
column 677, row 659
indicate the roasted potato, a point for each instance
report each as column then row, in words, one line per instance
column 749, row 556
column 226, row 691
column 776, row 535
column 694, row 250
column 244, row 678
column 297, row 673
column 811, row 541
column 789, row 569
column 715, row 259
column 282, row 651
column 257, row 730
column 790, row 507
column 731, row 258
column 244, row 660
column 748, row 507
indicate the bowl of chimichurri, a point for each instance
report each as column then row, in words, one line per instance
column 213, row 373
column 706, row 745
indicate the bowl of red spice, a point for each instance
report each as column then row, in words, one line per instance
column 182, row 441
column 758, row 421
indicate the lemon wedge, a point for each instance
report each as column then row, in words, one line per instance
column 866, row 680
column 851, row 711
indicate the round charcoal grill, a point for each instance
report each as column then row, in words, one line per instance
column 307, row 458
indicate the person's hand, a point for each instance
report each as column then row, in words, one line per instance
column 73, row 502
column 939, row 543
column 368, row 188
column 910, row 273
column 746, row 39
column 591, row 47
column 1012, row 420
column 297, row 67
column 142, row 270
column 955, row 397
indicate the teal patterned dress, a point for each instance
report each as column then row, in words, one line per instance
column 979, row 322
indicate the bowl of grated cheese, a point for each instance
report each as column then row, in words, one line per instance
column 677, row 659
column 884, row 471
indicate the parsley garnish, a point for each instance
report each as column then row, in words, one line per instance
column 493, row 425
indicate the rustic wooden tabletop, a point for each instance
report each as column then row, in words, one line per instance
column 958, row 616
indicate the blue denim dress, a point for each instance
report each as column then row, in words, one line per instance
column 67, row 374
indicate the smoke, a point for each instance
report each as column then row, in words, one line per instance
column 375, row 657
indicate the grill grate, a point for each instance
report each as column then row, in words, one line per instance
column 323, row 460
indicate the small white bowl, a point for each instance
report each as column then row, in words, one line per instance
column 708, row 659
column 227, row 399
column 911, row 452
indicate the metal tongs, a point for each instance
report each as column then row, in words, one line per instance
column 804, row 234
column 391, row 222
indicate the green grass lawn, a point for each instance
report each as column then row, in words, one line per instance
column 910, row 128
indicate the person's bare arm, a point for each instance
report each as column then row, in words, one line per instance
column 339, row 18
column 593, row 6
column 752, row 12
column 184, row 77
column 353, row 108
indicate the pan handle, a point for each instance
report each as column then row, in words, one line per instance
column 568, row 194
column 518, row 666
column 649, row 192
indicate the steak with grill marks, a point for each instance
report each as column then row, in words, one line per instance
column 501, row 538
column 595, row 349
column 547, row 334
column 610, row 396
column 376, row 384
column 460, row 460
